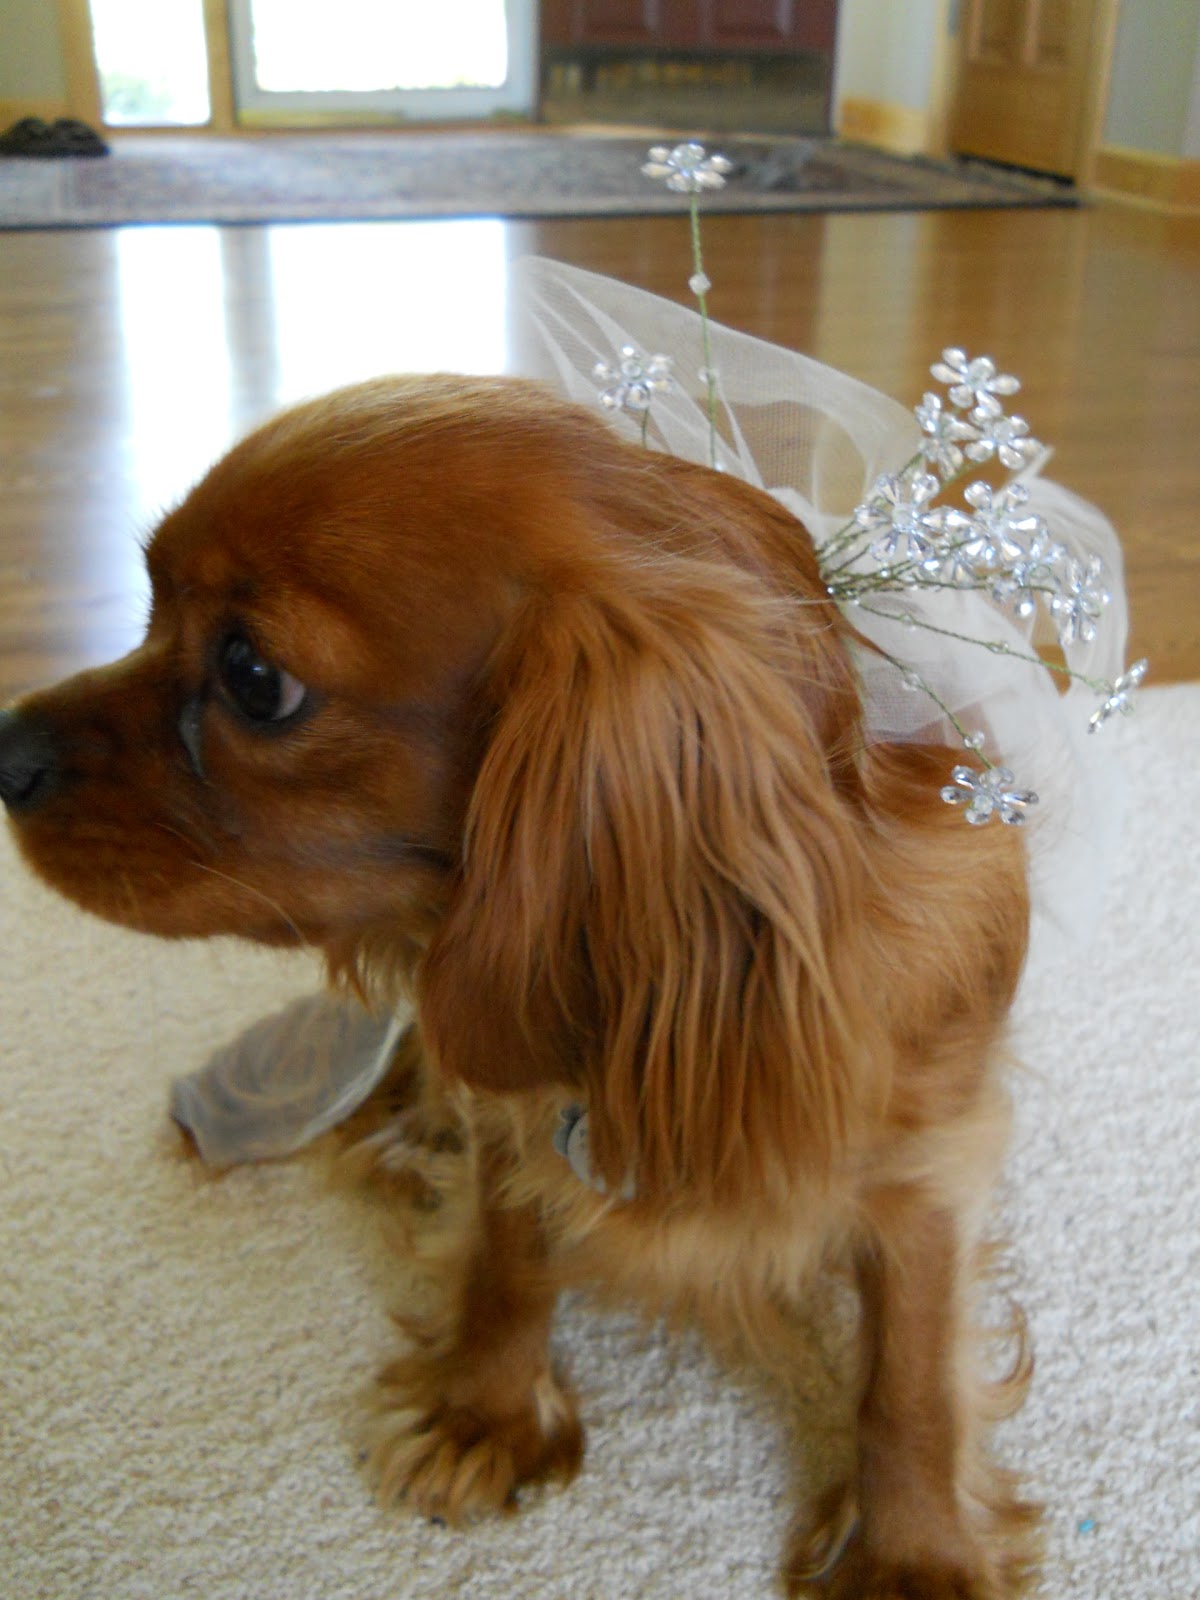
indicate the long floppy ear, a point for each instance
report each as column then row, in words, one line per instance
column 659, row 869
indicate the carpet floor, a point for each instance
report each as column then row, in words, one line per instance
column 182, row 1354
column 305, row 177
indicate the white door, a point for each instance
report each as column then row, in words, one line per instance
column 426, row 59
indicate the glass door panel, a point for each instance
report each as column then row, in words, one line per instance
column 454, row 58
column 151, row 62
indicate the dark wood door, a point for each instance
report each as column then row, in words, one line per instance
column 777, row 26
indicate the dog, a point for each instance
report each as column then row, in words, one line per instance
column 563, row 737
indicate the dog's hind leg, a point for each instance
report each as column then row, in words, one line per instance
column 935, row 1520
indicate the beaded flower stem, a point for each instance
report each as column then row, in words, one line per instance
column 689, row 169
column 918, row 682
column 698, row 283
column 997, row 648
column 997, row 549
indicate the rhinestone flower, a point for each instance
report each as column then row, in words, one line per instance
column 988, row 795
column 1120, row 696
column 1035, row 570
column 974, row 383
column 1006, row 437
column 688, row 168
column 1080, row 604
column 900, row 514
column 997, row 536
column 634, row 381
column 945, row 434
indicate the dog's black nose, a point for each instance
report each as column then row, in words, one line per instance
column 28, row 763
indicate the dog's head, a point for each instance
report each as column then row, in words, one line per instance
column 290, row 753
column 443, row 677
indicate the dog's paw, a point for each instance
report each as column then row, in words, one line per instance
column 817, row 1545
column 455, row 1461
column 863, row 1576
column 832, row 1557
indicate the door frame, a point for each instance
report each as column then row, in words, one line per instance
column 83, row 81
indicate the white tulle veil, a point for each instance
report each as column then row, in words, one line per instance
column 817, row 441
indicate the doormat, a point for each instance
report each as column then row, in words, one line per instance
column 357, row 177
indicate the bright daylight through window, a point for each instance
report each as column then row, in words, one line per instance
column 152, row 61
column 364, row 45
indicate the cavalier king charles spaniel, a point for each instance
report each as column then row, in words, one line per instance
column 563, row 738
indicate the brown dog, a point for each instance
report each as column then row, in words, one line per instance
column 563, row 735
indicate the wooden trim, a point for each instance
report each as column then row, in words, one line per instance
column 1166, row 183
column 941, row 87
column 79, row 61
column 1187, row 185
column 13, row 110
column 902, row 129
column 222, row 108
column 265, row 119
column 1099, row 81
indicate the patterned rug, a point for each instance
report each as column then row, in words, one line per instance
column 305, row 177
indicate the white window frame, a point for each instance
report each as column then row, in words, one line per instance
column 516, row 96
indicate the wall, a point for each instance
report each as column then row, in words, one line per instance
column 31, row 58
column 1153, row 90
column 885, row 50
column 1150, row 148
column 890, row 77
column 1191, row 131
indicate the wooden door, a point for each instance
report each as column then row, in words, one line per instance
column 781, row 26
column 1024, row 81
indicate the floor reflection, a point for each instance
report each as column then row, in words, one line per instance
column 356, row 301
column 218, row 328
column 177, row 364
column 221, row 327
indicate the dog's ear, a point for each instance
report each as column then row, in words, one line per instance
column 658, row 874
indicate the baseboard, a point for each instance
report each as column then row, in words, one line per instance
column 1167, row 183
column 49, row 110
column 901, row 129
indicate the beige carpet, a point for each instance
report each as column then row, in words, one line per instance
column 181, row 1356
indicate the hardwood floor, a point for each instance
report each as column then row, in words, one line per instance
column 130, row 358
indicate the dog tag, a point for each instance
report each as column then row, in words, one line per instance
column 571, row 1142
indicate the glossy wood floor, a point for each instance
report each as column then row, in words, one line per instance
column 130, row 358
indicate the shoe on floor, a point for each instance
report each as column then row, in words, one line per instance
column 77, row 139
column 66, row 137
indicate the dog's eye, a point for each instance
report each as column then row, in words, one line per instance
column 264, row 692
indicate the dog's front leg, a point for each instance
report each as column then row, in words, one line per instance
column 475, row 1411
column 934, row 1520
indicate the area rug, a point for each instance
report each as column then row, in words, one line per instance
column 182, row 1354
column 305, row 177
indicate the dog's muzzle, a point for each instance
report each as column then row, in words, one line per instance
column 29, row 766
